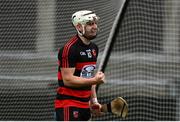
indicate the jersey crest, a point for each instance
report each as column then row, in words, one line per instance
column 88, row 71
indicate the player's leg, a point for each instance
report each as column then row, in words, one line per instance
column 64, row 114
column 79, row 114
column 59, row 114
column 72, row 114
column 85, row 114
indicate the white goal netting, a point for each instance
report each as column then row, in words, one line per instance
column 144, row 66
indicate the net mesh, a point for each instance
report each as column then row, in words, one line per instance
column 144, row 66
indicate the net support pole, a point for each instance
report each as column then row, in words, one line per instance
column 111, row 38
column 46, row 25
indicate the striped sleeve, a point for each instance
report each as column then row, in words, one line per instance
column 69, row 54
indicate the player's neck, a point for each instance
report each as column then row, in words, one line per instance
column 84, row 40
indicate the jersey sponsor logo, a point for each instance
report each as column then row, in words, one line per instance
column 82, row 53
column 89, row 53
column 88, row 71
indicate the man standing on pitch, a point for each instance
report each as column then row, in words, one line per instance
column 77, row 62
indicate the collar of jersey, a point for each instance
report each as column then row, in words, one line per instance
column 81, row 42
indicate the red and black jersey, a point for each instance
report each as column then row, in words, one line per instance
column 75, row 54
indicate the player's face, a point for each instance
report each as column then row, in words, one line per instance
column 91, row 30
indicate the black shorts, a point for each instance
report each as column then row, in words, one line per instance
column 73, row 114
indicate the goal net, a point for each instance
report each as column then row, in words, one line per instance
column 143, row 68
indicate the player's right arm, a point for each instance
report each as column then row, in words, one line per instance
column 75, row 81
